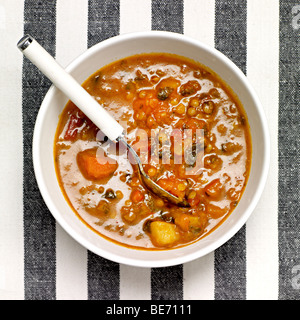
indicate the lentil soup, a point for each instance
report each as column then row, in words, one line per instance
column 191, row 133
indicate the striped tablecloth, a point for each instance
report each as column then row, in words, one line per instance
column 38, row 260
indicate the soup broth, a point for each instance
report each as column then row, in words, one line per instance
column 191, row 133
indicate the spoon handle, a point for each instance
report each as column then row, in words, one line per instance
column 70, row 87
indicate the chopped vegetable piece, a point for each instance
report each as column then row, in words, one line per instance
column 214, row 189
column 183, row 221
column 110, row 194
column 171, row 185
column 74, row 125
column 163, row 233
column 103, row 207
column 95, row 167
column 189, row 88
column 136, row 196
column 208, row 107
column 164, row 93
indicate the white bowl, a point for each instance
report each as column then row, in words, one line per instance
column 115, row 49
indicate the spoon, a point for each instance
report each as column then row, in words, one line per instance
column 90, row 107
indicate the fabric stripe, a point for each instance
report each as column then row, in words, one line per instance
column 103, row 278
column 230, row 259
column 103, row 275
column 198, row 278
column 135, row 15
column 135, row 283
column 262, row 227
column 231, row 30
column 199, row 23
column 104, row 20
column 11, row 160
column 288, row 148
column 71, row 30
column 199, row 20
column 39, row 225
column 167, row 15
column 167, row 283
column 71, row 41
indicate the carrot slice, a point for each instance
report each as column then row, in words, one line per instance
column 96, row 166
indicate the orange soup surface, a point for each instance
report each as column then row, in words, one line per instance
column 191, row 133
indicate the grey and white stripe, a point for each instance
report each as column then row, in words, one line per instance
column 231, row 39
column 71, row 41
column 39, row 225
column 167, row 15
column 262, row 227
column 103, row 275
column 11, row 160
column 288, row 147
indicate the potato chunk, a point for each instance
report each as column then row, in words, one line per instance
column 163, row 233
